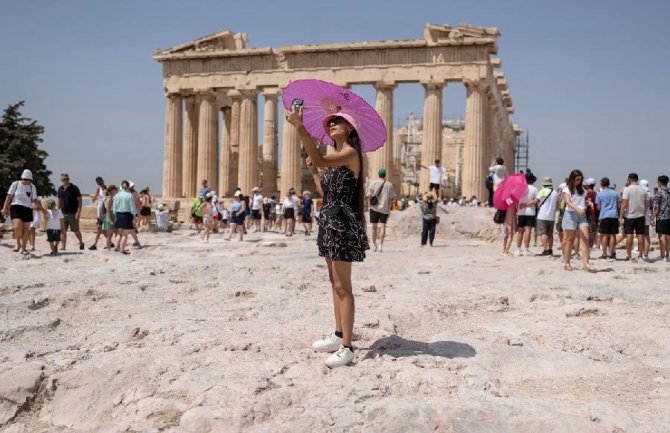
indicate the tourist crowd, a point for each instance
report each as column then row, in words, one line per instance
column 588, row 217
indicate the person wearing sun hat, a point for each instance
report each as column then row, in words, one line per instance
column 546, row 215
column 342, row 238
column 237, row 214
column 21, row 197
column 380, row 195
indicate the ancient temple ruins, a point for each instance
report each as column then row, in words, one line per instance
column 219, row 74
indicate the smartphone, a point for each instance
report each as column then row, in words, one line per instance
column 296, row 104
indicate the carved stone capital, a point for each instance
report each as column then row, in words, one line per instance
column 433, row 85
column 474, row 83
column 271, row 92
column 385, row 85
column 234, row 94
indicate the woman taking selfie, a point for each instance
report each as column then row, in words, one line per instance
column 342, row 238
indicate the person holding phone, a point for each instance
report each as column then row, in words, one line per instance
column 342, row 238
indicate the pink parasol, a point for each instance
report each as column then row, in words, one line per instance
column 322, row 99
column 510, row 191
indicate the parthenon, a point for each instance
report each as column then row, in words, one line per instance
column 219, row 74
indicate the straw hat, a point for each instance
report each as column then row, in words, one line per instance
column 547, row 181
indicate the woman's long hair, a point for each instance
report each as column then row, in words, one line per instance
column 359, row 194
column 571, row 182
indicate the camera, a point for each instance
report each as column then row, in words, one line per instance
column 296, row 104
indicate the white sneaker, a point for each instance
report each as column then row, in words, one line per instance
column 342, row 357
column 374, row 247
column 527, row 252
column 517, row 252
column 379, row 250
column 330, row 343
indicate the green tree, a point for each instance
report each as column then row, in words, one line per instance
column 19, row 149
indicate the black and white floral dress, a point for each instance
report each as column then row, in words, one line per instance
column 341, row 237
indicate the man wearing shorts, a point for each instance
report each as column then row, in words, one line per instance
column 256, row 207
column 546, row 214
column 526, row 216
column 661, row 216
column 381, row 192
column 634, row 203
column 607, row 203
column 69, row 202
column 436, row 173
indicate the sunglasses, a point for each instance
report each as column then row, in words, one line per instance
column 336, row 121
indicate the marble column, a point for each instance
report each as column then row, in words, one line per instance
column 474, row 166
column 270, row 145
column 208, row 130
column 190, row 156
column 431, row 140
column 235, row 100
column 248, row 166
column 224, row 167
column 290, row 159
column 172, row 152
column 383, row 157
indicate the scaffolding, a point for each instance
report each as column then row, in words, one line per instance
column 522, row 150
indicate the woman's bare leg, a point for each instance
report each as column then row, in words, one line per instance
column 344, row 297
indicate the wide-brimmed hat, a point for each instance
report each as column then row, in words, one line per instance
column 590, row 181
column 546, row 181
column 254, row 189
column 644, row 183
column 161, row 206
column 27, row 174
column 345, row 116
column 131, row 184
column 237, row 193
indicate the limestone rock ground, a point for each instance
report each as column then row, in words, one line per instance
column 183, row 336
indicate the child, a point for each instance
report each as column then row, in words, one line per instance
column 34, row 226
column 55, row 224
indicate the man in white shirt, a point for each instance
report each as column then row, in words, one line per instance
column 634, row 205
column 436, row 173
column 256, row 207
column 526, row 216
column 546, row 215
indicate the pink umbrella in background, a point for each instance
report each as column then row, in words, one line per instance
column 321, row 98
column 510, row 191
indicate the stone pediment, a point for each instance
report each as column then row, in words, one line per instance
column 225, row 40
column 437, row 34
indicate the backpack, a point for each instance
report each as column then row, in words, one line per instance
column 489, row 181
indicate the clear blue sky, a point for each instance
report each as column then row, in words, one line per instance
column 589, row 80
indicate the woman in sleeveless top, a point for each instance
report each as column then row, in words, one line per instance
column 237, row 215
column 342, row 238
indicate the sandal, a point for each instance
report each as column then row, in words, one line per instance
column 567, row 267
